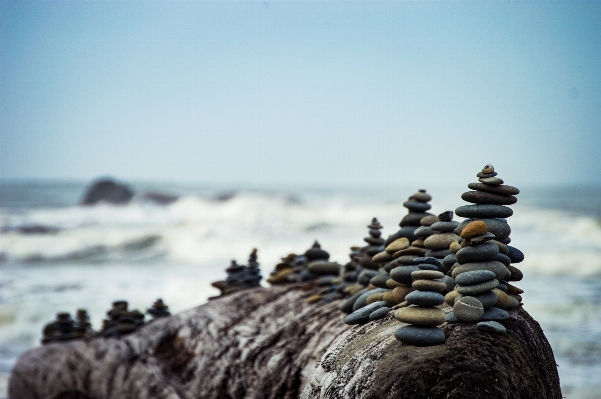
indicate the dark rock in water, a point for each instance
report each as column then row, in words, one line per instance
column 107, row 191
column 479, row 253
column 484, row 211
column 491, row 326
column 475, row 277
column 420, row 336
column 495, row 314
column 504, row 259
column 483, row 197
column 498, row 189
column 417, row 206
column 361, row 315
column 158, row 198
column 379, row 314
column 500, row 229
column 31, row 229
column 223, row 197
column 425, row 298
column 429, row 259
column 347, row 306
column 515, row 254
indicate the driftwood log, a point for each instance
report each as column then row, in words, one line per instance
column 271, row 343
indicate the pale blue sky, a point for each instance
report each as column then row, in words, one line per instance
column 306, row 93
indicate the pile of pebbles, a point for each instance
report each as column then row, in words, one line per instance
column 443, row 235
column 423, row 315
column 482, row 293
column 240, row 276
column 158, row 309
column 417, row 205
column 64, row 328
column 121, row 321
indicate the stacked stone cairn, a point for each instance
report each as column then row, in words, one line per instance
column 83, row 325
column 417, row 205
column 121, row 321
column 240, row 276
column 423, row 315
column 64, row 328
column 158, row 309
column 443, row 235
column 375, row 245
column 483, row 265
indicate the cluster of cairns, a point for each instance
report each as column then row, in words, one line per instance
column 120, row 322
column 64, row 328
column 240, row 276
column 483, row 267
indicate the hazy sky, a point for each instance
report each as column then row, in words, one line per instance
column 307, row 93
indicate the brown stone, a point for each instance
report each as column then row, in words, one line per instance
column 502, row 299
column 382, row 257
column 440, row 241
column 429, row 220
column 449, row 298
column 420, row 316
column 375, row 298
column 389, row 299
column 399, row 293
column 429, row 285
column 397, row 245
column 513, row 290
column 418, row 243
column 280, row 277
column 390, row 283
column 410, row 251
column 455, row 247
column 473, row 229
column 313, row 298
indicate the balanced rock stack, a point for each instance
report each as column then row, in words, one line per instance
column 121, row 321
column 283, row 269
column 253, row 277
column 62, row 329
column 369, row 265
column 159, row 309
column 352, row 269
column 423, row 316
column 83, row 325
column 490, row 197
column 313, row 263
column 240, row 276
column 417, row 205
column 443, row 236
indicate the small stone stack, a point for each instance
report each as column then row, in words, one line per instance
column 309, row 266
column 253, row 275
column 121, row 321
column 352, row 269
column 158, row 309
column 283, row 269
column 240, row 276
column 83, row 325
column 417, row 205
column 440, row 241
column 423, row 232
column 63, row 328
column 367, row 261
column 423, row 316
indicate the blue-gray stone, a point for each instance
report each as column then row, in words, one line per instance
column 491, row 326
column 379, row 314
column 362, row 315
column 477, row 289
column 402, row 274
column 449, row 261
column 499, row 228
column 450, row 283
column 504, row 259
column 515, row 254
column 475, row 277
column 488, row 299
column 444, row 226
column 440, row 253
column 502, row 287
column 484, row 211
column 477, row 253
column 406, row 232
column 420, row 336
column 450, row 318
column 417, row 206
column 495, row 314
column 424, row 232
column 362, row 300
column 425, row 298
column 429, row 260
column 347, row 306
column 380, row 280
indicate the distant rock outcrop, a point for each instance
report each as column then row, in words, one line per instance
column 107, row 190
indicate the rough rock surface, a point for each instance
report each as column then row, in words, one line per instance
column 267, row 343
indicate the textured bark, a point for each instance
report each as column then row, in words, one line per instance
column 267, row 343
column 368, row 362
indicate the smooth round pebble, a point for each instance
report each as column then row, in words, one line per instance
column 484, row 211
column 426, row 275
column 477, row 289
column 499, row 228
column 488, row 299
column 444, row 226
column 478, row 253
column 440, row 241
column 429, row 285
column 497, row 268
column 429, row 220
column 468, row 309
column 420, row 336
column 397, row 245
column 420, row 316
column 475, row 277
column 515, row 254
column 491, row 326
column 379, row 314
column 450, row 318
column 495, row 314
column 498, row 189
column 504, row 259
column 483, row 197
column 362, row 315
column 427, row 260
column 425, row 298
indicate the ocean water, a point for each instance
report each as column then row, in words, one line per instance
column 58, row 256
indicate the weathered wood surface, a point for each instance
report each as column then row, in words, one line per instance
column 270, row 343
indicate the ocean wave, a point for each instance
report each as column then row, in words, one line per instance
column 195, row 229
